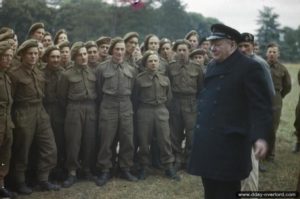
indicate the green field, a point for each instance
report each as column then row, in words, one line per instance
column 281, row 176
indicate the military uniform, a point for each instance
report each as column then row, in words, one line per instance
column 55, row 110
column 78, row 93
column 32, row 123
column 282, row 84
column 297, row 120
column 186, row 81
column 6, row 125
column 152, row 92
column 114, row 86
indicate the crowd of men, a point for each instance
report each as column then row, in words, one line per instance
column 81, row 110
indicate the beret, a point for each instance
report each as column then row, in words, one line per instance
column 198, row 51
column 34, row 27
column 75, row 48
column 59, row 32
column 27, row 44
column 103, row 40
column 90, row 44
column 146, row 55
column 247, row 37
column 113, row 42
column 181, row 41
column 129, row 35
column 48, row 51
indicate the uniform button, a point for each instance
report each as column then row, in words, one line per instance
column 197, row 126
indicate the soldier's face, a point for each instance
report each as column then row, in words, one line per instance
column 166, row 50
column 222, row 48
column 182, row 52
column 47, row 41
column 194, row 41
column 41, row 49
column 65, row 54
column 54, row 59
column 103, row 50
column 153, row 43
column 246, row 48
column 6, row 58
column 199, row 59
column 93, row 54
column 81, row 57
column 62, row 37
column 118, row 52
column 205, row 45
column 39, row 34
column 131, row 44
column 30, row 56
column 272, row 54
column 152, row 63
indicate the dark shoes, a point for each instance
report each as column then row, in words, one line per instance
column 69, row 181
column 22, row 188
column 171, row 173
column 102, row 179
column 142, row 174
column 128, row 176
column 48, row 186
column 4, row 193
column 296, row 148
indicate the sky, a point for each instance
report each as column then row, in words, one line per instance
column 243, row 14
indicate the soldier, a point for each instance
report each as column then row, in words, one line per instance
column 186, row 81
column 205, row 44
column 37, row 31
column 152, row 92
column 114, row 85
column 6, row 124
column 52, row 73
column 93, row 55
column 199, row 56
column 131, row 40
column 65, row 54
column 282, row 84
column 103, row 44
column 193, row 37
column 40, row 64
column 78, row 95
column 31, row 120
column 60, row 36
column 165, row 49
column 47, row 40
column 296, row 148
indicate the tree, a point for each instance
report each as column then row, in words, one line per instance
column 269, row 27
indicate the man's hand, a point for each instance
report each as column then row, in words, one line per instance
column 260, row 148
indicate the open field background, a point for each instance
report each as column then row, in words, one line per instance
column 281, row 176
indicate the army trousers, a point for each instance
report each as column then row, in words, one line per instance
column 115, row 124
column 277, row 106
column 33, row 126
column 5, row 150
column 297, row 121
column 183, row 113
column 56, row 115
column 154, row 119
column 80, row 133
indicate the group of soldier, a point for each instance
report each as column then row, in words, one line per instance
column 83, row 109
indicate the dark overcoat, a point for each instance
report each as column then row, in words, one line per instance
column 234, row 110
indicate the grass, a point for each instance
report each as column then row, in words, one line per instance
column 281, row 176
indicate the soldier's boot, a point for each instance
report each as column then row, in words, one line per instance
column 22, row 188
column 69, row 181
column 171, row 173
column 4, row 193
column 102, row 179
column 47, row 186
column 128, row 176
column 142, row 174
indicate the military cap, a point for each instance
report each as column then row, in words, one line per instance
column 191, row 33
column 198, row 51
column 181, row 41
column 90, row 44
column 64, row 44
column 129, row 35
column 27, row 44
column 221, row 31
column 146, row 55
column 114, row 41
column 48, row 51
column 4, row 45
column 34, row 27
column 59, row 32
column 75, row 48
column 7, row 33
column 103, row 40
column 247, row 37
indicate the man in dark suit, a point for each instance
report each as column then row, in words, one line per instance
column 234, row 113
